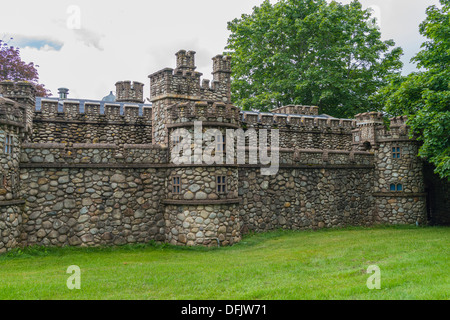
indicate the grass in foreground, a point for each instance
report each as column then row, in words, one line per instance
column 327, row 264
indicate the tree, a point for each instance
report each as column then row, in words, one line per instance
column 309, row 52
column 425, row 96
column 13, row 68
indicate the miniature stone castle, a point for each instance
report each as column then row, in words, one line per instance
column 88, row 173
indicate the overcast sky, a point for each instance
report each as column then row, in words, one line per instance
column 87, row 46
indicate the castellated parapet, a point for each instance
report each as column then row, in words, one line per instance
column 128, row 91
column 89, row 173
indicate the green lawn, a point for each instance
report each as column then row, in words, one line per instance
column 328, row 264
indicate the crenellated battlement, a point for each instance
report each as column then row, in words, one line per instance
column 128, row 91
column 203, row 111
column 184, row 82
column 263, row 119
column 24, row 94
column 17, row 90
column 93, row 111
column 399, row 130
column 11, row 113
column 298, row 110
column 369, row 118
column 186, row 60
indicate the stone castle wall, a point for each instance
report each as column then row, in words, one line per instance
column 117, row 124
column 90, row 173
column 92, row 206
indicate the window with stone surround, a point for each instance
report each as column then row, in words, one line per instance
column 221, row 184
column 396, row 187
column 176, row 184
column 220, row 141
column 9, row 144
column 176, row 139
column 396, row 152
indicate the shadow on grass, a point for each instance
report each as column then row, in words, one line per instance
column 250, row 239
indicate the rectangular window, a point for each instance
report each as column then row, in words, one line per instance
column 9, row 143
column 176, row 185
column 396, row 152
column 220, row 140
column 396, row 187
column 221, row 184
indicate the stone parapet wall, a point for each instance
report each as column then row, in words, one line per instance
column 299, row 110
column 59, row 153
column 203, row 111
column 66, row 124
column 90, row 207
column 265, row 119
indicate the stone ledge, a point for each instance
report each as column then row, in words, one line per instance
column 400, row 139
column 44, row 146
column 201, row 202
column 144, row 146
column 12, row 203
column 94, row 146
column 11, row 123
column 144, row 123
column 400, row 194
column 57, row 165
column 204, row 123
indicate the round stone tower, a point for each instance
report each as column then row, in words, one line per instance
column 399, row 190
column 202, row 198
column 16, row 107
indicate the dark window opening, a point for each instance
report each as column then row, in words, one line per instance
column 220, row 140
column 9, row 144
column 396, row 187
column 396, row 152
column 176, row 185
column 221, row 184
column 367, row 146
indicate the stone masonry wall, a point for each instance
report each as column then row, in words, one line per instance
column 68, row 125
column 92, row 207
column 305, row 198
column 10, row 227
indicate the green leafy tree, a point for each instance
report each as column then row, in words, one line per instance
column 425, row 96
column 309, row 52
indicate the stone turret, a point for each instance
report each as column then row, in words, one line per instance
column 367, row 126
column 24, row 94
column 399, row 182
column 186, row 60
